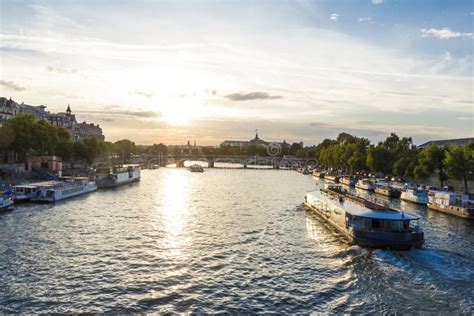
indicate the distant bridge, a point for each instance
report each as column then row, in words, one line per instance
column 211, row 160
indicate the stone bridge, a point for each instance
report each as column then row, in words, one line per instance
column 211, row 160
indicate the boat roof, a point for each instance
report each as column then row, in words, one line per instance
column 357, row 209
column 36, row 184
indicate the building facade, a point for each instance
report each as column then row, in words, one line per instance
column 67, row 120
column 257, row 141
column 448, row 142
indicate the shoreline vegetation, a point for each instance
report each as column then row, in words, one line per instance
column 397, row 157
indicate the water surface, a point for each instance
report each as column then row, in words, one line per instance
column 220, row 241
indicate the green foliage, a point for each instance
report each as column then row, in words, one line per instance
column 25, row 135
column 157, row 149
column 431, row 160
column 125, row 148
column 459, row 162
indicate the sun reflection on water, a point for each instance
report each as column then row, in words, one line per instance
column 174, row 211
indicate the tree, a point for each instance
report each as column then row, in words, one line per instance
column 459, row 162
column 19, row 134
column 125, row 148
column 431, row 160
column 294, row 148
column 158, row 149
column 379, row 159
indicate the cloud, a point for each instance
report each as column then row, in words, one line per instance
column 62, row 70
column 251, row 96
column 122, row 113
column 143, row 93
column 333, row 17
column 367, row 19
column 444, row 33
column 377, row 2
column 11, row 85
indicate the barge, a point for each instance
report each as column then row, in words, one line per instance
column 332, row 178
column 117, row 176
column 6, row 201
column 363, row 222
column 387, row 190
column 319, row 174
column 414, row 195
column 365, row 184
column 453, row 203
column 349, row 181
column 25, row 192
column 67, row 187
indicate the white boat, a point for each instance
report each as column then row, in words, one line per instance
column 25, row 192
column 414, row 195
column 196, row 168
column 365, row 184
column 66, row 188
column 454, row 203
column 364, row 222
column 6, row 201
column 349, row 181
column 117, row 176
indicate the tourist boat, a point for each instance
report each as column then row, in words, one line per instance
column 365, row 184
column 318, row 174
column 196, row 168
column 349, row 181
column 332, row 178
column 414, row 195
column 66, row 188
column 117, row 176
column 454, row 203
column 387, row 190
column 363, row 222
column 6, row 201
column 25, row 192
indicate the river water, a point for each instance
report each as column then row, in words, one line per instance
column 221, row 241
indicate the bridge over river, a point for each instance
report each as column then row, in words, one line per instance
column 211, row 160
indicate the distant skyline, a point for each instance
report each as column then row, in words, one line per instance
column 169, row 72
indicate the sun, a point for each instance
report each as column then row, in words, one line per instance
column 182, row 111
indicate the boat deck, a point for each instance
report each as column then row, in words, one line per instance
column 357, row 209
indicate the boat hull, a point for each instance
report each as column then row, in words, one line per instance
column 112, row 183
column 390, row 192
column 59, row 197
column 372, row 239
column 463, row 212
column 414, row 199
column 6, row 205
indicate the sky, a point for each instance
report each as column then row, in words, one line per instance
column 156, row 71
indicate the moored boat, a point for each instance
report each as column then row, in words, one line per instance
column 363, row 222
column 387, row 190
column 332, row 178
column 65, row 188
column 318, row 174
column 454, row 203
column 117, row 176
column 414, row 195
column 6, row 201
column 25, row 192
column 349, row 181
column 365, row 184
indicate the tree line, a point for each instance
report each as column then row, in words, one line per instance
column 395, row 156
column 27, row 136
